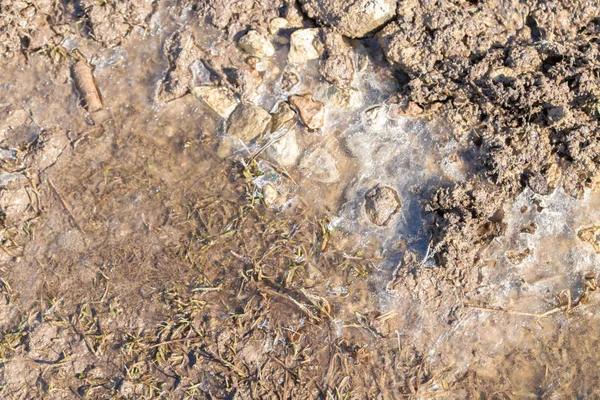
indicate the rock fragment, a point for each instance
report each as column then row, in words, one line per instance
column 289, row 80
column 337, row 66
column 591, row 235
column 517, row 257
column 285, row 151
column 277, row 24
column 248, row 121
column 382, row 204
column 304, row 46
column 343, row 97
column 282, row 116
column 311, row 112
column 404, row 109
column 220, row 99
column 11, row 181
column 182, row 53
column 354, row 19
column 256, row 44
column 270, row 195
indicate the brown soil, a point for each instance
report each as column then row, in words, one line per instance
column 140, row 259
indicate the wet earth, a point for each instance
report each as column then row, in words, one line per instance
column 240, row 199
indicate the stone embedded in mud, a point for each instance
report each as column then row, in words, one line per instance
column 285, row 151
column 256, row 44
column 382, row 204
column 277, row 24
column 343, row 97
column 375, row 118
column 219, row 98
column 320, row 164
column 11, row 181
column 182, row 52
column 544, row 182
column 289, row 80
column 517, row 257
column 353, row 19
column 311, row 112
column 304, row 46
column 557, row 114
column 591, row 235
column 270, row 195
column 282, row 116
column 248, row 121
column 226, row 146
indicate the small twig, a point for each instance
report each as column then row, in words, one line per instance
column 66, row 206
column 273, row 140
column 513, row 312
column 192, row 339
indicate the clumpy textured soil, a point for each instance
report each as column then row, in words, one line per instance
column 181, row 238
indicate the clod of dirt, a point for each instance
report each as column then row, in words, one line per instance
column 256, row 44
column 337, row 66
column 304, row 46
column 382, row 204
column 312, row 113
column 182, row 52
column 404, row 109
column 12, row 117
column 353, row 19
column 591, row 235
column 248, row 121
column 320, row 164
column 84, row 82
column 517, row 257
column 219, row 98
column 544, row 182
column 111, row 21
column 24, row 26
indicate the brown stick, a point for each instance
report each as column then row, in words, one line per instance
column 84, row 81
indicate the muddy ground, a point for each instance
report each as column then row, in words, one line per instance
column 213, row 199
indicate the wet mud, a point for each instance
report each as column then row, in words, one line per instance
column 299, row 199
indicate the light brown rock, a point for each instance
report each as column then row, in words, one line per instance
column 311, row 112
